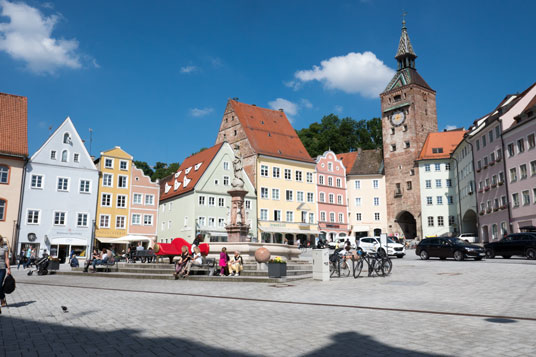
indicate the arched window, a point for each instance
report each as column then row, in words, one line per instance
column 64, row 155
column 66, row 138
column 4, row 174
column 3, row 205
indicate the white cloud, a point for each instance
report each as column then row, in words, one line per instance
column 200, row 112
column 338, row 109
column 450, row 127
column 306, row 103
column 361, row 73
column 188, row 69
column 290, row 108
column 27, row 37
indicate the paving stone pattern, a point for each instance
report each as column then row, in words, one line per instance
column 160, row 317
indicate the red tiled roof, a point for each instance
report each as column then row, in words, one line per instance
column 446, row 140
column 270, row 133
column 13, row 124
column 348, row 159
column 175, row 184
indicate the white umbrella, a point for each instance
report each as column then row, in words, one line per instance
column 129, row 238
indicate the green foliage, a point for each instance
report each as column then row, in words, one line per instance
column 159, row 170
column 142, row 165
column 341, row 135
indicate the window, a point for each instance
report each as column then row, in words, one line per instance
column 439, row 200
column 501, row 177
column 82, row 220
column 358, row 201
column 427, row 167
column 221, row 222
column 437, row 167
column 84, row 186
column 503, row 201
column 3, row 204
column 322, row 197
column 523, row 171
column 447, row 167
column 490, row 136
column 147, row 219
column 440, row 222
column 311, row 218
column 64, row 155
column 376, row 201
column 515, row 199
column 149, row 200
column 339, row 199
column 393, row 147
column 276, row 172
column 299, row 196
column 409, row 185
column 477, row 144
column 341, row 218
column 277, row 215
column 407, row 144
column 201, row 221
column 526, row 198
column 211, row 221
column 37, row 180
column 429, row 200
column 533, row 168
column 499, row 154
column 290, row 216
column 139, row 222
column 357, row 184
column 309, row 177
column 513, row 174
column 375, row 184
column 221, row 202
column 53, row 154
column 449, row 182
column 107, row 180
column 358, row 216
column 226, row 180
column 338, row 182
column 226, row 166
column 248, row 204
column 323, row 216
column 331, row 198
column 376, row 216
column 438, row 183
column 332, row 216
column 211, row 201
column 169, row 205
column 122, row 181
column 123, row 165
column 264, row 192
column 63, row 184
column 520, row 146
column 108, row 163
column 59, row 218
column 120, row 222
column 451, row 221
column 288, row 174
column 289, row 195
column 437, row 150
column 531, row 142
column 104, row 221
column 330, row 166
column 330, row 181
column 310, row 197
column 484, row 141
column 430, row 221
column 76, row 157
column 136, row 220
column 428, row 183
column 201, row 200
column 264, row 171
column 275, row 194
column 121, row 201
column 450, row 200
column 299, row 176
column 510, row 150
column 33, row 216
column 264, row 214
column 137, row 200
column 106, row 200
column 320, row 180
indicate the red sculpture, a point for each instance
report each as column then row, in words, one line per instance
column 174, row 248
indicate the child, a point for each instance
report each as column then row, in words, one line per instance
column 224, row 258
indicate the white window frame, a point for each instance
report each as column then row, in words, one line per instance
column 213, row 204
column 151, row 197
column 64, row 219
column 126, row 181
column 125, row 162
column 140, row 201
column 101, row 199
column 375, row 184
column 201, row 198
column 78, row 218
column 111, row 160
column 68, row 183
column 33, row 216
column 76, row 157
column 111, row 181
column 309, row 176
column 151, row 219
column 42, row 182
column 80, row 186
column 137, row 221
column 117, row 201
column 266, row 214
column 289, row 171
column 125, row 222
column 264, row 170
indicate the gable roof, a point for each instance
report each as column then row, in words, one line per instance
column 13, row 124
column 406, row 77
column 447, row 141
column 188, row 174
column 118, row 153
column 367, row 162
column 348, row 159
column 269, row 132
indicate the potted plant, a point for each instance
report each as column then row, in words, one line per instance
column 277, row 268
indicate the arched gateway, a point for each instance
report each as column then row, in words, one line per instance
column 469, row 222
column 408, row 225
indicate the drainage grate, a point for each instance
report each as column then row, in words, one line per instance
column 278, row 286
column 449, row 274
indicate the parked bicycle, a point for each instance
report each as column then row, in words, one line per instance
column 380, row 264
column 339, row 264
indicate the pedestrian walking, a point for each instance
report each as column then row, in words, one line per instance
column 4, row 270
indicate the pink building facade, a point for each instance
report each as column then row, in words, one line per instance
column 144, row 201
column 331, row 193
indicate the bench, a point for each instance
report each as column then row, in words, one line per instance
column 143, row 256
column 208, row 267
column 106, row 266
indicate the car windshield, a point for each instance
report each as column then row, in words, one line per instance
column 389, row 240
column 459, row 241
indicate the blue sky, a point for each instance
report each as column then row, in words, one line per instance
column 154, row 77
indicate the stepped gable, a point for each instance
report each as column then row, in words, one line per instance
column 348, row 159
column 13, row 124
column 270, row 132
column 188, row 174
column 446, row 141
column 368, row 162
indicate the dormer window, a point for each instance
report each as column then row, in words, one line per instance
column 64, row 155
column 397, row 98
column 66, row 138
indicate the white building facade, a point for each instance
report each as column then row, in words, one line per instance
column 464, row 173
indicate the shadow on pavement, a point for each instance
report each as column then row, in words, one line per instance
column 51, row 339
column 20, row 304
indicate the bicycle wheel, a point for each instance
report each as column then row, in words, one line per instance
column 377, row 266
column 386, row 266
column 358, row 267
column 333, row 269
column 345, row 269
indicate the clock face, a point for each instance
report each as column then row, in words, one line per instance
column 398, row 118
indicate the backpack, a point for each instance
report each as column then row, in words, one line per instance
column 9, row 284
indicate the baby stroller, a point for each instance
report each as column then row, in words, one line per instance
column 41, row 266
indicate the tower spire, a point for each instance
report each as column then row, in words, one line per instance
column 405, row 54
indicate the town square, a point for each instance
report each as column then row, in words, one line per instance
column 261, row 178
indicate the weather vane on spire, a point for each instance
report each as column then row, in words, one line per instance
column 404, row 14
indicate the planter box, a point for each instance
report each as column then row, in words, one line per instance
column 53, row 265
column 277, row 270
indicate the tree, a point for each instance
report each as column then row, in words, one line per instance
column 142, row 165
column 162, row 170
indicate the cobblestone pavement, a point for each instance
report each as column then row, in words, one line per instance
column 304, row 318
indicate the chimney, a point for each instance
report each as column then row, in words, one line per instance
column 281, row 110
column 235, row 98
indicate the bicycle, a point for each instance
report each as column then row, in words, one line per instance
column 338, row 265
column 377, row 263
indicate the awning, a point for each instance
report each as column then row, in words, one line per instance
column 360, row 228
column 104, row 240
column 69, row 241
column 129, row 239
column 287, row 230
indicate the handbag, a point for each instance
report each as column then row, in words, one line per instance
column 9, row 284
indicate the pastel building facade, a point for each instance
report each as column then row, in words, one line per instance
column 13, row 156
column 366, row 190
column 195, row 200
column 60, row 194
column 143, row 208
column 332, row 201
column 439, row 199
column 463, row 166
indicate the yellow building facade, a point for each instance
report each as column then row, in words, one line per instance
column 113, row 202
column 286, row 200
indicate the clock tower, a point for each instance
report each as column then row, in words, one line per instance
column 408, row 114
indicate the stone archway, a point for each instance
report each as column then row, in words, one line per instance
column 407, row 223
column 469, row 221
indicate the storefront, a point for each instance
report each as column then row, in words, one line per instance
column 286, row 235
column 61, row 248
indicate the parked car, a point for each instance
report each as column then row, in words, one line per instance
column 470, row 237
column 523, row 244
column 372, row 245
column 444, row 247
column 341, row 242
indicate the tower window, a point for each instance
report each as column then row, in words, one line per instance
column 393, row 147
column 235, row 132
column 392, row 131
column 412, row 172
column 405, row 128
column 406, row 144
column 408, row 185
column 397, row 98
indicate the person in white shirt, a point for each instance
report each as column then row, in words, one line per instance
column 103, row 259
